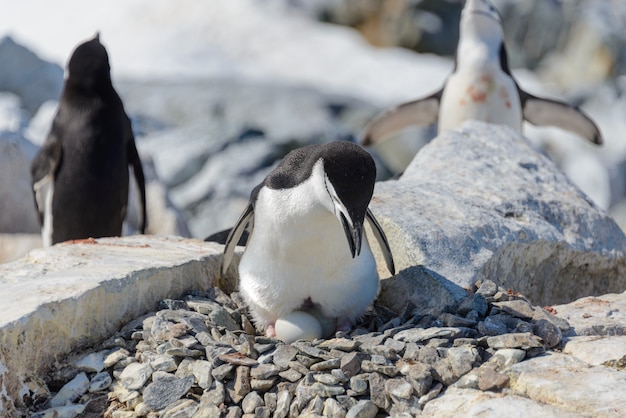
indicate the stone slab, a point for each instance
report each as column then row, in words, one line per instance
column 70, row 295
column 571, row 384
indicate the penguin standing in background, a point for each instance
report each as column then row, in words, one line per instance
column 306, row 246
column 481, row 87
column 80, row 175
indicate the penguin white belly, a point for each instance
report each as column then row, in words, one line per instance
column 292, row 259
column 44, row 192
column 492, row 98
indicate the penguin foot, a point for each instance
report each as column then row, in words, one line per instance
column 270, row 331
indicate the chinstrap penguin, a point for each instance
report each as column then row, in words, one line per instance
column 481, row 87
column 80, row 175
column 306, row 246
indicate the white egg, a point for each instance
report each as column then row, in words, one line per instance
column 297, row 325
column 329, row 325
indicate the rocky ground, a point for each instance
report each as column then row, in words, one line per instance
column 201, row 357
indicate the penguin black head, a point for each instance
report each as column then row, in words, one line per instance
column 352, row 172
column 345, row 173
column 89, row 64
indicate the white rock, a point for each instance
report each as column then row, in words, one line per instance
column 93, row 362
column 297, row 325
column 472, row 403
column 135, row 375
column 88, row 289
column 71, row 391
column 482, row 203
column 570, row 384
column 100, row 382
column 596, row 350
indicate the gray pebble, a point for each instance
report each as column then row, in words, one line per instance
column 160, row 394
column 363, row 409
column 251, row 402
column 100, row 381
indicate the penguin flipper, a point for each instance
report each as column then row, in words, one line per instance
column 42, row 169
column 382, row 241
column 234, row 236
column 541, row 112
column 135, row 161
column 421, row 112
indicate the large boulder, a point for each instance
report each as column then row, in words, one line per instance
column 482, row 203
column 22, row 72
column 17, row 205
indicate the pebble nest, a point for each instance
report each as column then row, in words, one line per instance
column 202, row 357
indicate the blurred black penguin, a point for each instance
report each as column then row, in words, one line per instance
column 80, row 175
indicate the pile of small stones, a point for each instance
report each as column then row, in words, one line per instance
column 202, row 357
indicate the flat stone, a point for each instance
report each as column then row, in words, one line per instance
column 207, row 411
column 490, row 379
column 425, row 334
column 548, row 332
column 450, row 320
column 369, row 366
column 234, row 412
column 100, row 381
column 332, row 409
column 181, row 408
column 463, row 359
column 326, row 365
column 114, row 356
column 270, row 399
column 251, row 402
column 93, row 362
column 157, row 395
column 163, row 362
column 107, row 280
column 214, row 396
column 469, row 402
column 595, row 315
column 596, row 350
column 220, row 372
column 363, row 409
column 238, row 359
column 283, row 401
column 221, row 318
column 262, row 385
column 351, row 363
column 487, row 288
column 492, row 326
column 306, row 348
column 201, row 369
column 71, row 391
column 377, row 390
column 398, row 389
column 359, row 384
column 430, row 395
column 326, row 379
column 343, row 344
column 265, row 371
column 524, row 341
column 570, row 384
column 242, row 383
column 506, row 357
column 518, row 308
column 291, row 375
column 299, row 367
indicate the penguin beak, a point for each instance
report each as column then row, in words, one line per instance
column 353, row 231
